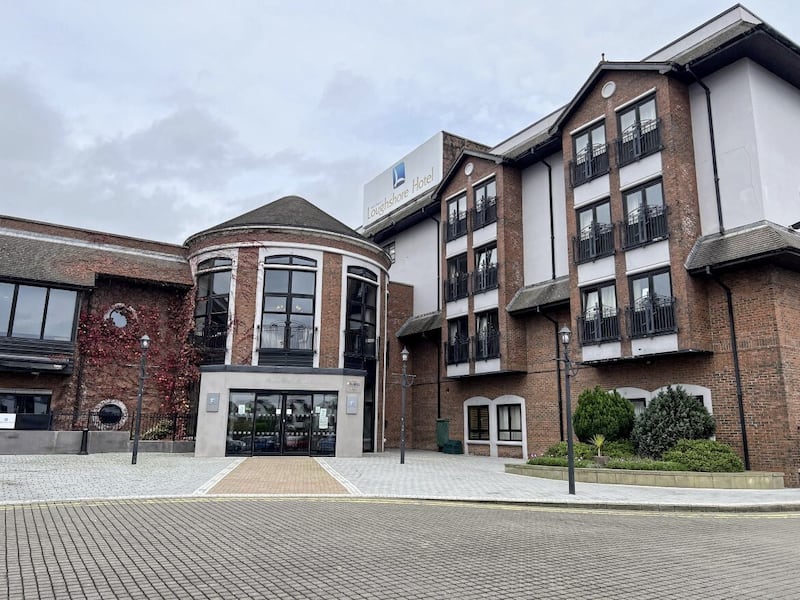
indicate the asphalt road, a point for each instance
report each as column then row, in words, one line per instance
column 365, row 548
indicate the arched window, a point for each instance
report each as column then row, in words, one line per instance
column 211, row 308
column 360, row 338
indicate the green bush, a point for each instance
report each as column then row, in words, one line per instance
column 557, row 461
column 619, row 449
column 159, row 431
column 708, row 456
column 644, row 464
column 601, row 412
column 671, row 416
column 579, row 450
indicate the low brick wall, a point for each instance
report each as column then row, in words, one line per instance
column 749, row 480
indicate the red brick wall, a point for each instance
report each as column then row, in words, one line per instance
column 330, row 327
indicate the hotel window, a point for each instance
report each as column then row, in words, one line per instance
column 595, row 237
column 478, row 417
column 591, row 154
column 457, row 345
column 645, row 215
column 509, row 423
column 37, row 313
column 487, row 337
column 640, row 132
column 485, row 273
column 457, row 217
column 211, row 309
column 360, row 337
column 287, row 322
column 485, row 211
column 456, row 286
column 653, row 308
column 599, row 320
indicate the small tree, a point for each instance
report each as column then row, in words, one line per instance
column 671, row 416
column 604, row 413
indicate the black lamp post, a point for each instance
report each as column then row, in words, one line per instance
column 144, row 341
column 570, row 370
column 404, row 383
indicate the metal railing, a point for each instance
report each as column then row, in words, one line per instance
column 456, row 287
column 457, row 351
column 457, row 228
column 484, row 279
column 359, row 343
column 639, row 140
column 644, row 225
column 487, row 345
column 594, row 242
column 482, row 216
column 587, row 166
column 603, row 326
column 653, row 315
column 155, row 426
column 211, row 342
column 287, row 337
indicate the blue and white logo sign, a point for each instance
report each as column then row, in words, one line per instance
column 399, row 175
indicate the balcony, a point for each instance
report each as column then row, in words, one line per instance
column 457, row 228
column 456, row 287
column 211, row 343
column 457, row 351
column 586, row 167
column 639, row 140
column 487, row 345
column 644, row 225
column 291, row 346
column 484, row 216
column 650, row 316
column 594, row 242
column 599, row 328
column 359, row 347
column 484, row 279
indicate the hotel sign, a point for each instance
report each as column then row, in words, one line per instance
column 415, row 174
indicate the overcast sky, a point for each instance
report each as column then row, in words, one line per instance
column 159, row 119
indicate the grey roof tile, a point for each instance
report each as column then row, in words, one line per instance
column 546, row 293
column 742, row 244
column 421, row 324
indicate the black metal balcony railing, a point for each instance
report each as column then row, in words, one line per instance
column 601, row 327
column 456, row 228
column 291, row 346
column 644, row 225
column 211, row 342
column 457, row 351
column 485, row 214
column 594, row 242
column 456, row 287
column 588, row 166
column 639, row 140
column 359, row 343
column 484, row 279
column 653, row 315
column 487, row 345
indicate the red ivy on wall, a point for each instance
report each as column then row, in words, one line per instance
column 172, row 361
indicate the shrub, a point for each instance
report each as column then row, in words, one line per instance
column 579, row 450
column 671, row 416
column 601, row 412
column 159, row 431
column 619, row 449
column 557, row 461
column 708, row 456
column 643, row 464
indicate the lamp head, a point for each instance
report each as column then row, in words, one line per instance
column 404, row 354
column 565, row 334
column 145, row 341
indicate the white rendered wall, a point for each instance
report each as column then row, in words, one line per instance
column 755, row 114
column 416, row 262
column 536, row 221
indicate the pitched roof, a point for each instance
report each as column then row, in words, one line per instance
column 540, row 295
column 61, row 260
column 289, row 211
column 750, row 243
column 421, row 324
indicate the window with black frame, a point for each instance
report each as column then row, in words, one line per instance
column 287, row 320
column 32, row 409
column 456, row 217
column 591, row 154
column 478, row 426
column 595, row 237
column 652, row 311
column 457, row 283
column 487, row 335
column 211, row 308
column 457, row 350
column 485, row 273
column 361, row 333
column 599, row 320
column 34, row 312
column 485, row 211
column 640, row 133
column 509, row 423
column 645, row 215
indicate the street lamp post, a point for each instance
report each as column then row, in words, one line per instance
column 404, row 384
column 570, row 371
column 144, row 341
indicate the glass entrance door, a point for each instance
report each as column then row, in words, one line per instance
column 267, row 435
column 296, row 423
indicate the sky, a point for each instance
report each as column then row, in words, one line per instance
column 160, row 119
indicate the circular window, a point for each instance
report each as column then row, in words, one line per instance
column 110, row 414
column 608, row 89
column 118, row 317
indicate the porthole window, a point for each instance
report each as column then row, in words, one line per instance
column 120, row 315
column 110, row 415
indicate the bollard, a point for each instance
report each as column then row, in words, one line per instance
column 84, row 442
